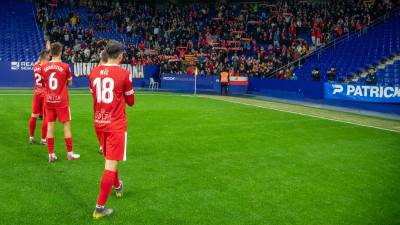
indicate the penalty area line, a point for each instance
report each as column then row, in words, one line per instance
column 304, row 114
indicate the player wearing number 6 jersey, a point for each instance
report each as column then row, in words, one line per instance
column 38, row 99
column 57, row 76
column 111, row 88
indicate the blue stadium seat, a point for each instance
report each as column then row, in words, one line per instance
column 358, row 53
column 21, row 39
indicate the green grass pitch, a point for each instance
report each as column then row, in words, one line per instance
column 194, row 160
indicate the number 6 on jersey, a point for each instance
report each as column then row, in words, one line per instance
column 104, row 89
column 53, row 82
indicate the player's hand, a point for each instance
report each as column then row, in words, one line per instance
column 48, row 45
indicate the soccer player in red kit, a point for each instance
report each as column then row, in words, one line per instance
column 38, row 99
column 103, row 60
column 111, row 88
column 57, row 76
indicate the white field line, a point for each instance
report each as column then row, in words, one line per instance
column 236, row 102
column 81, row 94
column 304, row 114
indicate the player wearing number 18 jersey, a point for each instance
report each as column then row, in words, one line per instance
column 38, row 99
column 57, row 76
column 111, row 88
column 103, row 60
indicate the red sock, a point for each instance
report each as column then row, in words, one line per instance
column 116, row 180
column 44, row 128
column 105, row 186
column 50, row 145
column 32, row 126
column 68, row 143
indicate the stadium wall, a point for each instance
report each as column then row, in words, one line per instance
column 19, row 75
column 295, row 89
column 300, row 90
column 185, row 83
column 318, row 93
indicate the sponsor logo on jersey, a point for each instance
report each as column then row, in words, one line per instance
column 102, row 117
column 51, row 98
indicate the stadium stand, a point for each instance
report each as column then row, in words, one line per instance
column 359, row 52
column 250, row 39
column 21, row 39
column 83, row 14
column 253, row 39
column 389, row 74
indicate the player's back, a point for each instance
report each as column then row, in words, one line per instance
column 55, row 75
column 108, row 84
column 39, row 85
column 37, row 72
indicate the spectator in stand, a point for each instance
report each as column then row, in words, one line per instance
column 240, row 34
column 294, row 77
column 315, row 74
column 331, row 74
column 317, row 33
column 371, row 78
column 288, row 74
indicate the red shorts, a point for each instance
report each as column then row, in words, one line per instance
column 38, row 103
column 113, row 144
column 63, row 114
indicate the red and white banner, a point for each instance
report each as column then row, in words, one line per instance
column 238, row 81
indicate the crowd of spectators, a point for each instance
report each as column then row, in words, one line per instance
column 250, row 39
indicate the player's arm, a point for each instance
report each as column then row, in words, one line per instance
column 91, row 88
column 44, row 78
column 129, row 93
column 48, row 45
column 90, row 83
column 69, row 76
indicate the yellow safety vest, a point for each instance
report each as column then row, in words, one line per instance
column 224, row 77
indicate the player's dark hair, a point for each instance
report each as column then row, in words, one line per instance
column 56, row 48
column 44, row 54
column 103, row 56
column 114, row 49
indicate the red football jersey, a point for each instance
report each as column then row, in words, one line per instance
column 55, row 75
column 39, row 82
column 109, row 84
